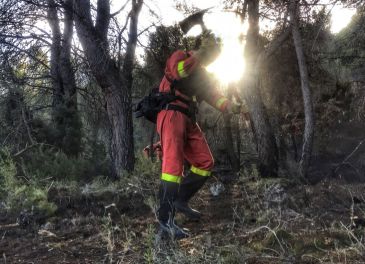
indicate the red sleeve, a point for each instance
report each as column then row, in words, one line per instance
column 180, row 65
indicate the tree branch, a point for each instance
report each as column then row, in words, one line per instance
column 103, row 18
column 272, row 48
column 132, row 41
column 120, row 10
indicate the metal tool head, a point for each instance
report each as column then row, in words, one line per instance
column 193, row 20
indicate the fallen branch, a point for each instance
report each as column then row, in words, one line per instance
column 351, row 234
column 272, row 231
column 8, row 226
column 353, row 152
column 20, row 152
column 344, row 162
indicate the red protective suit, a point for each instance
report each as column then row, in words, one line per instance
column 180, row 137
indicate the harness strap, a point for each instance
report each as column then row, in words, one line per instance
column 179, row 108
column 171, row 97
column 185, row 101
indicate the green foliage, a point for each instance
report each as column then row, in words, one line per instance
column 68, row 129
column 31, row 196
column 45, row 163
column 146, row 167
column 162, row 44
column 108, row 233
column 41, row 131
column 145, row 175
column 349, row 44
column 19, row 195
column 25, row 180
column 7, row 172
column 148, row 255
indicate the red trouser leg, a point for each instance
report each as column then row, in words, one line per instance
column 171, row 125
column 181, row 139
column 197, row 152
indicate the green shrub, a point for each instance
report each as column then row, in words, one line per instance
column 146, row 174
column 7, row 173
column 48, row 163
column 146, row 168
column 18, row 194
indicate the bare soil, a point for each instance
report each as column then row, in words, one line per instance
column 252, row 221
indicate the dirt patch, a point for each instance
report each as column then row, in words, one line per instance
column 99, row 203
column 251, row 221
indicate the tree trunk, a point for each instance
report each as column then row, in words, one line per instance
column 122, row 128
column 265, row 139
column 229, row 143
column 115, row 85
column 307, row 97
column 233, row 158
column 65, row 113
column 53, row 21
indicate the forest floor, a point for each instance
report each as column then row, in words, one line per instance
column 252, row 221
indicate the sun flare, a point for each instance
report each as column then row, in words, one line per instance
column 230, row 64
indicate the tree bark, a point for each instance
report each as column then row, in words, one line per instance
column 265, row 139
column 53, row 21
column 227, row 118
column 65, row 113
column 116, row 85
column 233, row 159
column 307, row 97
column 67, row 73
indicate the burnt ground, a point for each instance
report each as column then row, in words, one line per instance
column 251, row 221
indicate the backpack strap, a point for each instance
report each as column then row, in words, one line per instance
column 170, row 97
column 173, row 84
column 179, row 109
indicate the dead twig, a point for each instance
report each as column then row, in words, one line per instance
column 351, row 234
column 345, row 161
column 2, row 238
column 8, row 226
column 20, row 152
column 353, row 152
column 313, row 257
column 272, row 231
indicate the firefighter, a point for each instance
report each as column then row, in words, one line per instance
column 181, row 137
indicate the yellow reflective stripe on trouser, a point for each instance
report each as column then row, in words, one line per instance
column 170, row 178
column 181, row 70
column 220, row 102
column 200, row 171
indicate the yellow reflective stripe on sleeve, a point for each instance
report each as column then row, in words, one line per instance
column 181, row 70
column 220, row 102
column 170, row 178
column 200, row 171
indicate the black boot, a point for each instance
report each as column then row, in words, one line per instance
column 166, row 213
column 190, row 185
